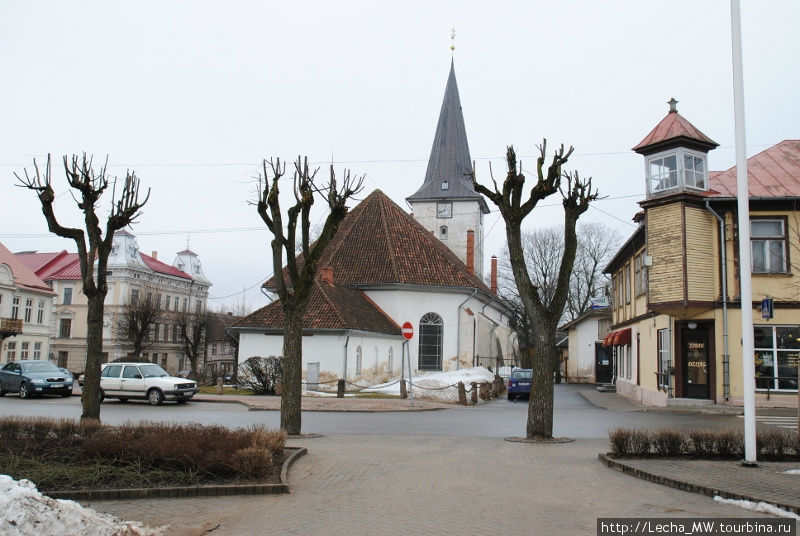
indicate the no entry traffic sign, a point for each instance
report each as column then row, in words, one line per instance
column 408, row 330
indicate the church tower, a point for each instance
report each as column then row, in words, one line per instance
column 446, row 204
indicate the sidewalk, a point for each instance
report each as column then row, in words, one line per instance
column 615, row 402
column 313, row 403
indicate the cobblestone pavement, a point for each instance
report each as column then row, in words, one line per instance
column 768, row 482
column 311, row 403
column 370, row 485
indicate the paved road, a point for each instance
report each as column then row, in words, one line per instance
column 574, row 417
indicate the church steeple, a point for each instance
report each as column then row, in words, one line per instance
column 446, row 204
column 450, row 164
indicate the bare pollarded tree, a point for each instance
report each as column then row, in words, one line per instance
column 294, row 283
column 543, row 312
column 88, row 186
column 136, row 319
column 193, row 333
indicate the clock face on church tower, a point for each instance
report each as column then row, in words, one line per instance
column 444, row 210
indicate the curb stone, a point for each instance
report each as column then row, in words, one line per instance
column 687, row 486
column 186, row 491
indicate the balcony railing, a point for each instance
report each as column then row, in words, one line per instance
column 10, row 326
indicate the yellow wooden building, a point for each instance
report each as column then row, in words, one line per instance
column 676, row 326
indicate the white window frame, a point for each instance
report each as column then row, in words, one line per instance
column 764, row 241
column 664, row 356
column 776, row 352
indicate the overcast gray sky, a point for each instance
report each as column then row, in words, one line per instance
column 192, row 95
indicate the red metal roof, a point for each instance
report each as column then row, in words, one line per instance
column 674, row 125
column 24, row 277
column 774, row 172
column 53, row 266
column 163, row 268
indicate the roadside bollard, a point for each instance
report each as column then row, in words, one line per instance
column 403, row 392
column 219, row 386
column 462, row 394
column 474, row 393
column 496, row 387
column 484, row 391
column 340, row 389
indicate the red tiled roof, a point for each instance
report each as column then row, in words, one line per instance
column 379, row 243
column 330, row 307
column 163, row 268
column 774, row 172
column 24, row 277
column 674, row 125
column 53, row 266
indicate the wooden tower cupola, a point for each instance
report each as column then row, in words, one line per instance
column 675, row 154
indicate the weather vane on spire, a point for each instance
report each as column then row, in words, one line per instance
column 452, row 40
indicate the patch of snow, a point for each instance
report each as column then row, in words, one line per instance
column 437, row 385
column 758, row 507
column 792, row 472
column 26, row 512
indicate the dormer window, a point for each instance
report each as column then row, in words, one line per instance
column 445, row 185
column 678, row 169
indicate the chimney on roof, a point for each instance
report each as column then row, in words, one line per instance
column 494, row 274
column 471, row 252
column 155, row 255
column 326, row 274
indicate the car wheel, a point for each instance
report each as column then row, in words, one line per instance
column 155, row 397
column 65, row 394
column 511, row 397
column 181, row 401
column 25, row 391
column 101, row 395
column 2, row 392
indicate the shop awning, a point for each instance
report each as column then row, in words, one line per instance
column 621, row 337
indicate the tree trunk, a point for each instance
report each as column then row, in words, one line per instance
column 540, row 405
column 90, row 399
column 292, row 370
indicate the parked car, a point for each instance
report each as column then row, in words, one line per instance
column 81, row 379
column 145, row 381
column 34, row 377
column 519, row 383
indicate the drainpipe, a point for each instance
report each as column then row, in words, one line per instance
column 458, row 330
column 726, row 384
column 344, row 365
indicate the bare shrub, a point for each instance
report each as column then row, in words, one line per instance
column 701, row 443
column 729, row 444
column 775, row 443
column 253, row 462
column 668, row 443
column 640, row 443
column 620, row 442
column 261, row 374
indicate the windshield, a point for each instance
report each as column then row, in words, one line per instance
column 44, row 366
column 522, row 374
column 153, row 371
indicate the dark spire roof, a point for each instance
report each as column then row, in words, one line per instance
column 450, row 160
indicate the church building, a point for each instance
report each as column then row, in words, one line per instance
column 385, row 267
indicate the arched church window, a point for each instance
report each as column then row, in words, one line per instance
column 443, row 232
column 430, row 342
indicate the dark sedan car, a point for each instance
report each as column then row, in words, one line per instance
column 33, row 377
column 519, row 384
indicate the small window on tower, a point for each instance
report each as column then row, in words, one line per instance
column 443, row 232
column 445, row 185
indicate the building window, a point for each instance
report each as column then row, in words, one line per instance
column 628, row 283
column 15, row 307
column 11, row 351
column 155, row 332
column 166, row 303
column 37, row 350
column 445, row 185
column 444, row 210
column 664, row 360
column 620, row 289
column 158, row 301
column 176, row 303
column 40, row 313
column 65, row 328
column 640, row 275
column 23, row 354
column 390, row 362
column 198, row 306
column 134, row 296
column 213, row 349
column 443, row 232
column 694, row 171
column 185, row 304
column 358, row 360
column 663, row 173
column 620, row 361
column 28, row 309
column 67, row 296
column 174, row 332
column 63, row 357
column 768, row 245
column 154, row 358
column 628, row 362
column 430, row 342
column 777, row 355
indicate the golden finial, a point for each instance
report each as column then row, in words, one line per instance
column 452, row 40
